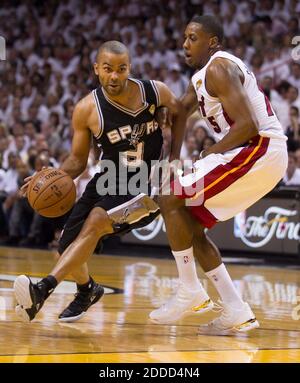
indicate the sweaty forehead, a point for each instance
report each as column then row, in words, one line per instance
column 195, row 28
column 113, row 59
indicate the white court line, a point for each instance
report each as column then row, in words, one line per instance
column 2, row 309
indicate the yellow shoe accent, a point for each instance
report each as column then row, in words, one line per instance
column 203, row 306
column 249, row 323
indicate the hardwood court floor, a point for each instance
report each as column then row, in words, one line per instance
column 117, row 328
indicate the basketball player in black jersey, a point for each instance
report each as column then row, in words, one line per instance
column 119, row 116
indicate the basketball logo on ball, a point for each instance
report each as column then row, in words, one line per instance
column 51, row 192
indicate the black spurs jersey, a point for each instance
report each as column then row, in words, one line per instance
column 131, row 139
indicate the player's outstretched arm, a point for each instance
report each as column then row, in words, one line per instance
column 224, row 80
column 178, row 115
column 76, row 162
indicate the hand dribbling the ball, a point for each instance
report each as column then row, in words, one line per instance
column 24, row 188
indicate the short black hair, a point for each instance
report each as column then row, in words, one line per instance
column 113, row 46
column 210, row 25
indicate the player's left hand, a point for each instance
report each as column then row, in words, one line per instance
column 24, row 188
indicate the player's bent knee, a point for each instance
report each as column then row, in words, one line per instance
column 97, row 229
column 98, row 223
column 169, row 202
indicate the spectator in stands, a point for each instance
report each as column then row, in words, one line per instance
column 4, row 151
column 200, row 133
column 289, row 97
column 293, row 131
column 292, row 177
column 11, row 174
column 208, row 142
column 294, row 77
column 191, row 147
column 176, row 81
column 267, row 86
column 21, row 213
column 21, row 147
column 297, row 155
column 292, row 96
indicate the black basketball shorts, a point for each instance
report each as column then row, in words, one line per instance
column 128, row 212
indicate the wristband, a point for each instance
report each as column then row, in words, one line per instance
column 201, row 154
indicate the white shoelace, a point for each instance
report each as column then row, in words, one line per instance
column 218, row 307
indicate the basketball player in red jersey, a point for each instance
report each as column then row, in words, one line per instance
column 248, row 159
column 120, row 118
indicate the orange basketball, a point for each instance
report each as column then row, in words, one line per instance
column 51, row 192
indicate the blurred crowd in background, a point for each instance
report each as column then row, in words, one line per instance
column 51, row 46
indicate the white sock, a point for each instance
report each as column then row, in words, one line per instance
column 224, row 285
column 187, row 270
